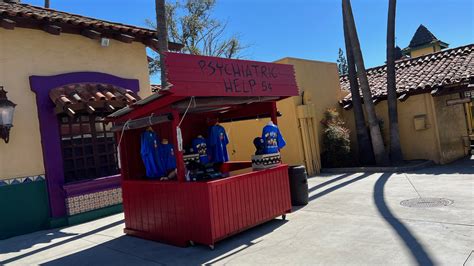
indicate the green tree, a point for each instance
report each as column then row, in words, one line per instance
column 336, row 141
column 342, row 67
column 395, row 147
column 190, row 23
column 381, row 157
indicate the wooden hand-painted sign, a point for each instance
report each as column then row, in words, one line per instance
column 193, row 75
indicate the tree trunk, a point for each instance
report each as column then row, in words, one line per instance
column 46, row 3
column 381, row 157
column 366, row 154
column 162, row 36
column 395, row 147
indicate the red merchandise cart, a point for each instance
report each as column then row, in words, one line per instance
column 203, row 89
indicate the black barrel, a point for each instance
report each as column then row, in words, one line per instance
column 298, row 185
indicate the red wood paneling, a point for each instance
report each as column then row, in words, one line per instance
column 204, row 212
column 243, row 201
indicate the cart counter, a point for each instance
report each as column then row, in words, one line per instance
column 181, row 213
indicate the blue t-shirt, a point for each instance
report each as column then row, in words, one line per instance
column 200, row 147
column 218, row 144
column 167, row 156
column 149, row 144
column 273, row 139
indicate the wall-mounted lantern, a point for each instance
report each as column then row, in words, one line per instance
column 6, row 115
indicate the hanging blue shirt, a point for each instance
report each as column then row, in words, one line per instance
column 273, row 139
column 167, row 156
column 149, row 143
column 200, row 147
column 218, row 143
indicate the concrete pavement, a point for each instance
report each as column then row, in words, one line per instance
column 353, row 219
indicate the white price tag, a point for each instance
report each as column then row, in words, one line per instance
column 180, row 138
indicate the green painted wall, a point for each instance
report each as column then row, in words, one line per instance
column 24, row 208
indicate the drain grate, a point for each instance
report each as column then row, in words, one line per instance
column 426, row 202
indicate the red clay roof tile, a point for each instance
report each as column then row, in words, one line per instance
column 92, row 93
column 421, row 74
column 29, row 16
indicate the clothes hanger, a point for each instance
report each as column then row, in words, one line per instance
column 149, row 128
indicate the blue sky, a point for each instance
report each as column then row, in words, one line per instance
column 310, row 29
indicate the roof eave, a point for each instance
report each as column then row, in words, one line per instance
column 53, row 25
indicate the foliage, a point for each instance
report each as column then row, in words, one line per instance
column 342, row 66
column 336, row 141
column 189, row 22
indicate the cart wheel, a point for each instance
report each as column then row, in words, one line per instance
column 191, row 243
column 283, row 217
column 211, row 247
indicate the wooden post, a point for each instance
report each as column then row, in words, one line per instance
column 178, row 154
column 273, row 113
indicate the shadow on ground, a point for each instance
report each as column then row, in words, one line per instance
column 46, row 239
column 416, row 249
column 463, row 166
column 328, row 182
column 131, row 250
column 336, row 187
column 42, row 237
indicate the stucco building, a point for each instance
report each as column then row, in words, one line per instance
column 301, row 115
column 65, row 72
column 435, row 91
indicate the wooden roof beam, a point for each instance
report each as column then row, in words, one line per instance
column 151, row 42
column 91, row 34
column 70, row 112
column 90, row 109
column 7, row 24
column 435, row 92
column 347, row 106
column 52, row 29
column 125, row 38
column 109, row 107
column 403, row 97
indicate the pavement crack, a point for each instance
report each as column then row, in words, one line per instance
column 467, row 259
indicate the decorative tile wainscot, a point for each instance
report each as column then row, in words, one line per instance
column 93, row 201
